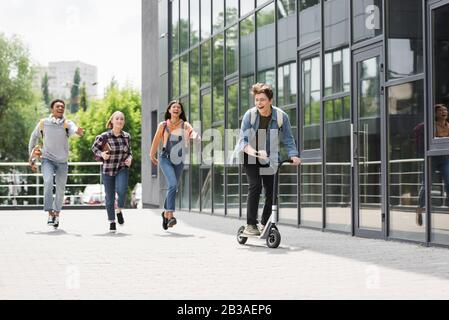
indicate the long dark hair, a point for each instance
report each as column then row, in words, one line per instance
column 183, row 114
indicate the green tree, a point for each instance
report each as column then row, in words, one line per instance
column 93, row 120
column 75, row 92
column 20, row 107
column 45, row 90
column 83, row 99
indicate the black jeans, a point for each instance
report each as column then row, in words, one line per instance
column 255, row 181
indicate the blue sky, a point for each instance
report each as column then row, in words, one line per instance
column 105, row 33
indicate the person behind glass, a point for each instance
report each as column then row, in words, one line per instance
column 175, row 134
column 114, row 148
column 55, row 132
column 439, row 163
column 256, row 154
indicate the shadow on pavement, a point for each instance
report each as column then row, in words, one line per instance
column 398, row 255
column 175, row 235
column 54, row 233
column 264, row 249
column 113, row 235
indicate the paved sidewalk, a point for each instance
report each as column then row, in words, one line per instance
column 200, row 259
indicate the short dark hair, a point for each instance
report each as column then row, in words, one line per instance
column 260, row 88
column 183, row 114
column 55, row 102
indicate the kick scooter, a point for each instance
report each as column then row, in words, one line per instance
column 271, row 233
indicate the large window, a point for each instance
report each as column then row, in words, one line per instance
column 175, row 27
column 440, row 66
column 439, row 166
column 218, row 82
column 184, row 73
column 217, row 15
column 246, row 6
column 206, row 18
column 194, row 22
column 247, row 58
column 232, row 11
column 288, row 180
column 336, row 23
column 367, row 19
column 337, row 72
column 194, row 83
column 205, row 63
column 311, row 92
column 405, row 38
column 184, row 26
column 287, row 84
column 266, row 57
column 231, row 50
column 406, row 159
column 312, row 194
column 232, row 172
column 175, row 79
column 286, row 31
column 337, row 115
column 309, row 21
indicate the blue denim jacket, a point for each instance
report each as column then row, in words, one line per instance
column 248, row 134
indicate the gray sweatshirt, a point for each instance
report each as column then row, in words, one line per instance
column 56, row 142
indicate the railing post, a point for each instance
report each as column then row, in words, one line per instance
column 400, row 184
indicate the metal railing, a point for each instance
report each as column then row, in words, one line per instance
column 405, row 182
column 20, row 187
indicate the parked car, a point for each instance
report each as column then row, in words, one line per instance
column 94, row 194
column 136, row 196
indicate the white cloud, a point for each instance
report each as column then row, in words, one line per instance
column 99, row 32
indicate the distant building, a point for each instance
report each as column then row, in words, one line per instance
column 60, row 78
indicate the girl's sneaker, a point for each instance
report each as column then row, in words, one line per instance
column 120, row 219
column 164, row 221
column 112, row 227
column 172, row 222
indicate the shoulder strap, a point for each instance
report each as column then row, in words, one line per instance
column 164, row 141
column 253, row 116
column 66, row 127
column 280, row 117
column 41, row 127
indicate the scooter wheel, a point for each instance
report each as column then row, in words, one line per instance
column 274, row 239
column 240, row 239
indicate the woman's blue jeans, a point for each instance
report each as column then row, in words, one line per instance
column 113, row 184
column 172, row 175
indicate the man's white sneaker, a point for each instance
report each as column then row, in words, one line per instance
column 251, row 230
column 56, row 223
column 51, row 221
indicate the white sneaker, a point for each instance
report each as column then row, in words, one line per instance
column 261, row 228
column 56, row 223
column 251, row 230
column 51, row 221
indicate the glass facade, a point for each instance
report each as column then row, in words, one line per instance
column 351, row 75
